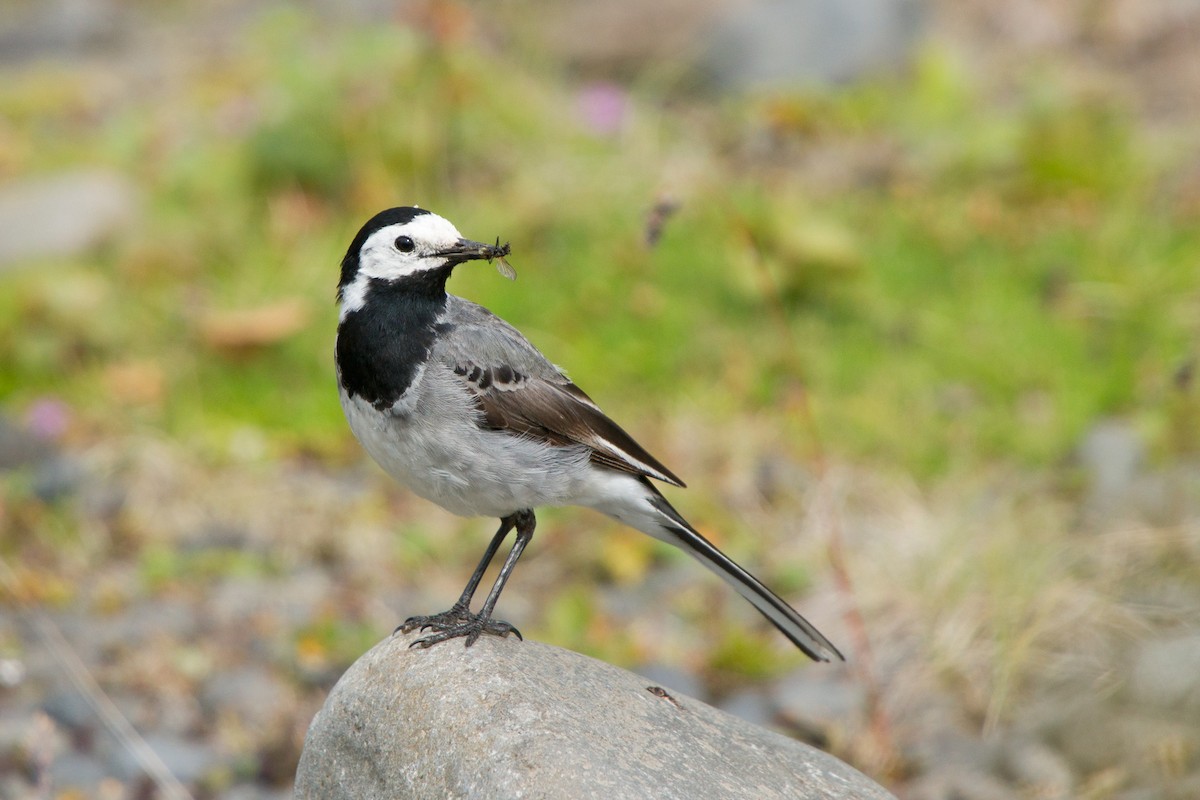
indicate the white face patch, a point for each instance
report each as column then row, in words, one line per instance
column 380, row 257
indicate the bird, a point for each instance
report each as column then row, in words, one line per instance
column 458, row 406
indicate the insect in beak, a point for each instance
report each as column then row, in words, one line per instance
column 466, row 250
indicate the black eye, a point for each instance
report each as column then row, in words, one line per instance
column 405, row 244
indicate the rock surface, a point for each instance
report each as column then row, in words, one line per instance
column 63, row 215
column 781, row 43
column 522, row 719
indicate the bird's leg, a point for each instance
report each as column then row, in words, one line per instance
column 525, row 522
column 462, row 607
column 459, row 621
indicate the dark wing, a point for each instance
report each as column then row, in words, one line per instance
column 518, row 390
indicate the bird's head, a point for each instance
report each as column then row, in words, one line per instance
column 406, row 245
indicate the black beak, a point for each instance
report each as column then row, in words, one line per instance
column 467, row 250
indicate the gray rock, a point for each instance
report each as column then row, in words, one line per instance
column 12, row 672
column 57, row 478
column 189, row 761
column 1171, row 497
column 97, row 635
column 253, row 694
column 57, row 27
column 954, row 785
column 1139, row 794
column 734, row 44
column 1039, row 769
column 72, row 770
column 1112, row 454
column 14, row 785
column 248, row 791
column 71, row 711
column 951, row 753
column 750, row 705
column 521, row 719
column 1097, row 737
column 820, row 699
column 20, row 448
column 1166, row 675
column 14, row 732
column 788, row 42
column 63, row 215
column 294, row 599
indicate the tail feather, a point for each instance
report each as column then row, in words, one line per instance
column 795, row 627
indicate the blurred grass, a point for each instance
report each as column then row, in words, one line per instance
column 1011, row 274
column 1008, row 276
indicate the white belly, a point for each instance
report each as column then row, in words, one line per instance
column 463, row 468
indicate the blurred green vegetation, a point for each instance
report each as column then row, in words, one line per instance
column 977, row 283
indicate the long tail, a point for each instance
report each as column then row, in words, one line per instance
column 770, row 605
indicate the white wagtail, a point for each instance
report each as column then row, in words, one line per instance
column 454, row 403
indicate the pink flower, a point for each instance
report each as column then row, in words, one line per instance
column 603, row 108
column 48, row 417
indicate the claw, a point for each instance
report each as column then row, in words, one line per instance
column 454, row 624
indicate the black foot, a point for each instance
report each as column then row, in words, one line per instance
column 454, row 624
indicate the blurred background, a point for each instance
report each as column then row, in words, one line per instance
column 908, row 291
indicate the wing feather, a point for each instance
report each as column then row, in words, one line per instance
column 516, row 389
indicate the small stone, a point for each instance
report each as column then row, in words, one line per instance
column 951, row 750
column 1040, row 770
column 955, row 785
column 253, row 694
column 251, row 791
column 1112, row 454
column 57, row 478
column 12, row 672
column 820, row 699
column 1166, row 674
column 1139, row 794
column 750, row 705
column 71, row 712
column 20, row 448
column 14, row 729
column 187, row 760
column 1097, row 737
column 15, row 785
column 74, row 770
column 293, row 600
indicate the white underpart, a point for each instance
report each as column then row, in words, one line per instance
column 430, row 441
column 624, row 498
column 443, row 455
